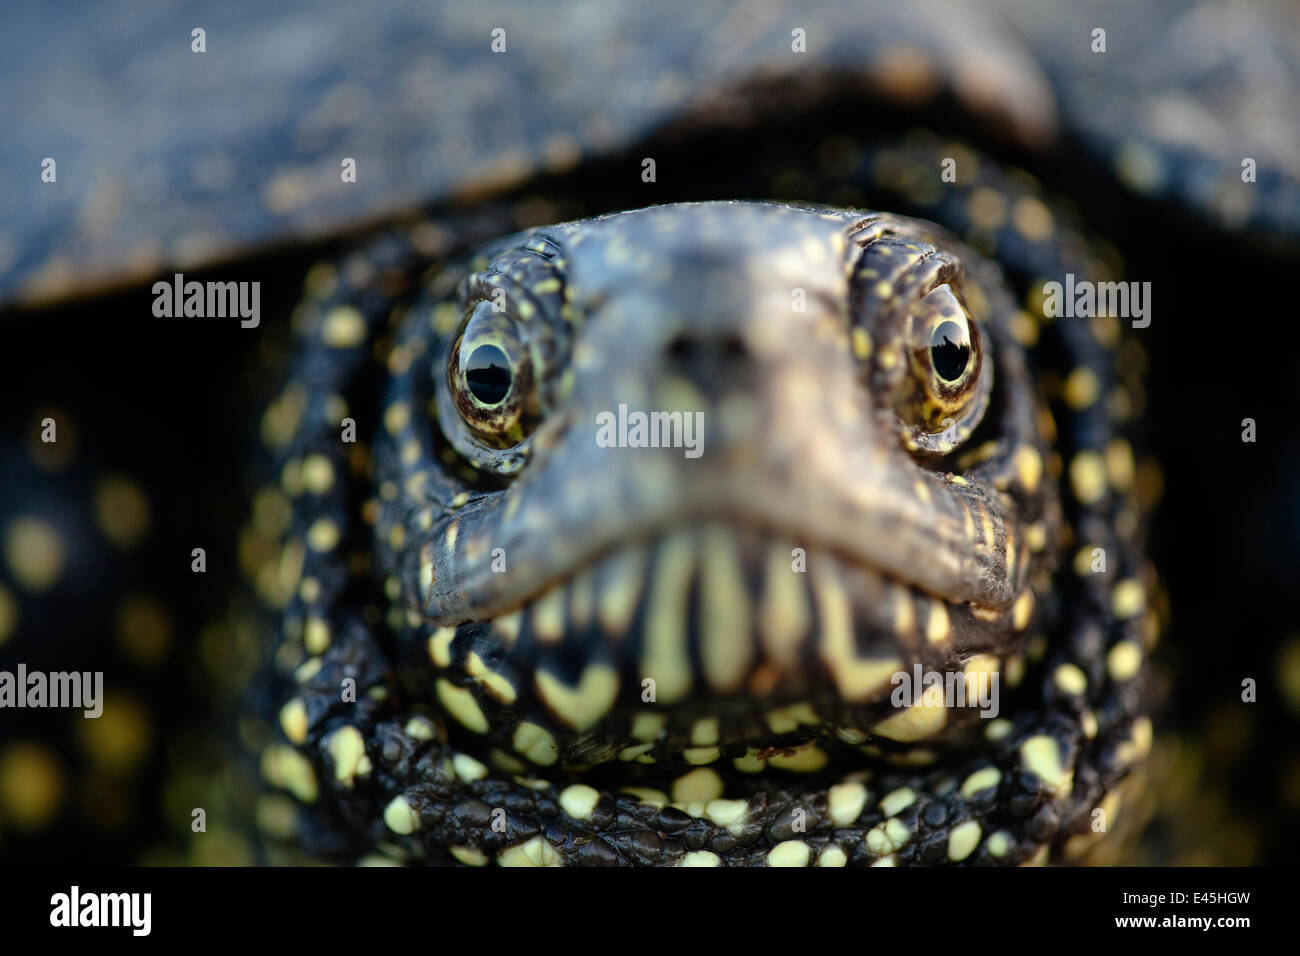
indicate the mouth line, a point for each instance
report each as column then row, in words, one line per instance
column 698, row 638
column 761, row 533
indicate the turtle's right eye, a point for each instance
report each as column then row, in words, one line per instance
column 491, row 379
column 947, row 391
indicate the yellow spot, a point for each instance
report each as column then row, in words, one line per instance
column 583, row 706
column 120, row 738
column 460, row 703
column 396, row 417
column 807, row 758
column 963, row 840
column 467, row 768
column 440, row 646
column 856, row 678
column 1032, row 219
column 1119, row 464
column 620, row 591
column 323, row 535
column 978, row 674
column 282, row 766
column 784, row 615
column 421, row 728
column 701, row 755
column 897, row 801
column 1029, row 467
column 282, row 417
column 833, row 855
column 293, row 720
column 999, row 844
column 1069, row 679
column 666, row 657
column 8, row 613
column 548, row 616
column 697, row 787
column 536, row 852
column 1288, row 671
column 309, row 590
column 579, row 801
column 1081, row 388
column 1024, row 329
column 535, row 743
column 861, row 343
column 904, row 613
column 648, row 796
column 469, row 855
column 492, row 682
column 1022, row 610
column 317, row 474
column 401, row 817
column 1138, row 746
column 845, row 802
column 923, row 719
column 787, row 719
column 704, row 732
column 1140, row 167
column 987, row 209
column 727, row 813
column 144, row 630
column 121, row 511
column 34, row 552
column 1128, row 599
column 937, row 626
column 648, row 725
column 725, row 631
column 1036, row 537
column 343, row 328
column 984, row 779
column 347, row 749
column 426, row 575
column 31, row 786
column 1088, row 477
column 700, row 858
column 1041, row 755
column 789, row 853
column 316, row 636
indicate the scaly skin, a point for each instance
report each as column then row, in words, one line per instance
column 470, row 601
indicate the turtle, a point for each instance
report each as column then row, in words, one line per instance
column 470, row 609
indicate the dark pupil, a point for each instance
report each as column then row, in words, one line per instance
column 949, row 351
column 488, row 374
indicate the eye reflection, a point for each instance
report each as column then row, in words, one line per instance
column 487, row 373
column 950, row 351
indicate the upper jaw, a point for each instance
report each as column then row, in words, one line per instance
column 791, row 464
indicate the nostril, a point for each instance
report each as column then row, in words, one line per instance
column 681, row 347
column 732, row 347
column 686, row 348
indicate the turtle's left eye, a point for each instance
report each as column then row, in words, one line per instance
column 488, row 374
column 490, row 377
column 947, row 391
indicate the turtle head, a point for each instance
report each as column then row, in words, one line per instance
column 709, row 462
